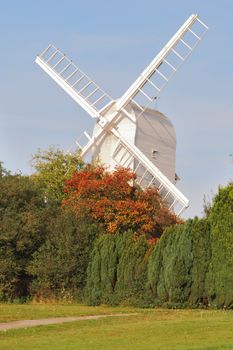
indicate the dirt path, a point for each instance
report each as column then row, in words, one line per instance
column 55, row 320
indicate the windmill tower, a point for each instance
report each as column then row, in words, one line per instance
column 128, row 132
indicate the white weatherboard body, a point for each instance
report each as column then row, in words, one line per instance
column 128, row 132
column 154, row 135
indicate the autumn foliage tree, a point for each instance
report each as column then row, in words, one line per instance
column 113, row 200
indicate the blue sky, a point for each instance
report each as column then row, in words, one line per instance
column 113, row 42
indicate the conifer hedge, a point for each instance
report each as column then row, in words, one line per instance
column 117, row 272
column 178, row 265
column 219, row 282
column 190, row 266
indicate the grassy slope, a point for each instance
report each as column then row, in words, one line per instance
column 150, row 329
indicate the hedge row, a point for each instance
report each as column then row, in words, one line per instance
column 117, row 271
column 47, row 252
column 192, row 265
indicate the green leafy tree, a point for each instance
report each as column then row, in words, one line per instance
column 23, row 216
column 34, row 227
column 3, row 171
column 59, row 265
column 53, row 168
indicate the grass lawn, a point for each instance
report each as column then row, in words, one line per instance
column 15, row 312
column 149, row 329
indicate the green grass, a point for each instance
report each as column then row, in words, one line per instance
column 149, row 329
column 15, row 312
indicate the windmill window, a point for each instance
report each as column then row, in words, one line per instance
column 154, row 153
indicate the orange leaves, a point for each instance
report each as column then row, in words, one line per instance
column 113, row 201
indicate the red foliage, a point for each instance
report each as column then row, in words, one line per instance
column 112, row 200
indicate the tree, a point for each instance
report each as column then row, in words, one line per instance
column 23, row 216
column 117, row 270
column 3, row 171
column 59, row 266
column 113, row 201
column 132, row 269
column 179, row 263
column 201, row 253
column 219, row 283
column 53, row 167
column 170, row 265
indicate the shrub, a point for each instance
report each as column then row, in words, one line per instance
column 23, row 216
column 178, row 264
column 117, row 270
column 59, row 266
column 219, row 283
column 201, row 257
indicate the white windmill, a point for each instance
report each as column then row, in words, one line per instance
column 127, row 131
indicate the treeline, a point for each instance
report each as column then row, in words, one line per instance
column 44, row 250
column 103, row 254
column 190, row 266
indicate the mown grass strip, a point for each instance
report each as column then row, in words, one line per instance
column 148, row 330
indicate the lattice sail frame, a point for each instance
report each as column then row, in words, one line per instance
column 73, row 80
column 141, row 93
column 155, row 77
column 151, row 71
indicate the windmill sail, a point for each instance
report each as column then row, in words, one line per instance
column 155, row 77
column 137, row 98
column 141, row 94
column 76, row 83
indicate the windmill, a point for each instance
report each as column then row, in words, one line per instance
column 128, row 131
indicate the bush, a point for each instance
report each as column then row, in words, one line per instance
column 132, row 269
column 59, row 266
column 170, row 264
column 117, row 270
column 219, row 283
column 178, row 265
column 23, row 216
column 102, row 270
column 201, row 256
